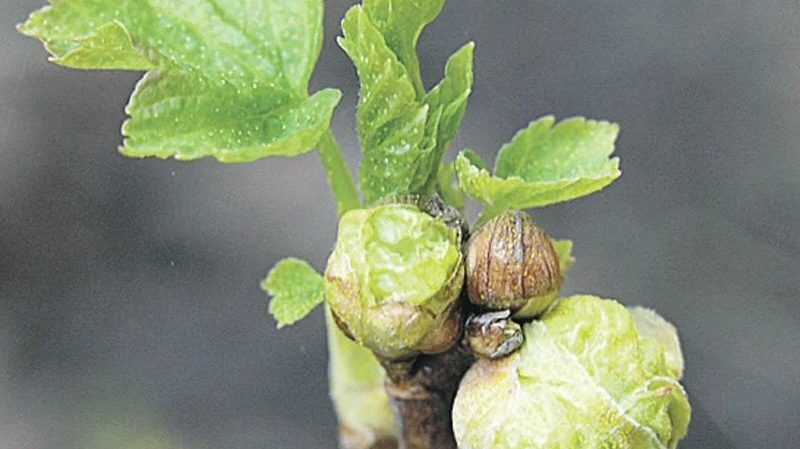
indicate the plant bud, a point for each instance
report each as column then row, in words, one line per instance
column 434, row 206
column 394, row 279
column 512, row 264
column 585, row 377
column 493, row 335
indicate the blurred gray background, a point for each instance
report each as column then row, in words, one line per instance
column 130, row 313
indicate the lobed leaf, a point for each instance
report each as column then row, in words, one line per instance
column 296, row 289
column 227, row 78
column 391, row 122
column 401, row 22
column 174, row 115
column 403, row 131
column 448, row 103
column 543, row 165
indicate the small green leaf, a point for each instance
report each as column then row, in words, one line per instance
column 543, row 165
column 564, row 251
column 448, row 103
column 575, row 148
column 391, row 122
column 227, row 79
column 404, row 131
column 448, row 188
column 401, row 22
column 296, row 289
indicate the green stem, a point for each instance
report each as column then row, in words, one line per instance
column 356, row 378
column 339, row 177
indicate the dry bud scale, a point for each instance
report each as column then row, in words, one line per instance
column 512, row 264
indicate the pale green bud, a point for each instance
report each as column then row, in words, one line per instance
column 393, row 280
column 586, row 377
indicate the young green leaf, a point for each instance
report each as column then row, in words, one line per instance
column 565, row 257
column 296, row 289
column 448, row 103
column 227, row 79
column 542, row 165
column 391, row 122
column 176, row 115
column 401, row 22
column 404, row 134
column 574, row 148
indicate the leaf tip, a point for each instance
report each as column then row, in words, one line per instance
column 126, row 151
column 263, row 283
column 468, row 48
column 26, row 27
column 22, row 28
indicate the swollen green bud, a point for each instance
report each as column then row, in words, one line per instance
column 393, row 280
column 586, row 377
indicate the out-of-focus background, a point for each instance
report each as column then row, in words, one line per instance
column 130, row 313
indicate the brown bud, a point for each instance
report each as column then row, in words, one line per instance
column 493, row 335
column 511, row 264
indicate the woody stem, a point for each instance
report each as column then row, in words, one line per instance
column 422, row 392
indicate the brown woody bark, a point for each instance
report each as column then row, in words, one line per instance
column 422, row 392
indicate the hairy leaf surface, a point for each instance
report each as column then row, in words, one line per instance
column 544, row 164
column 448, row 103
column 404, row 132
column 401, row 22
column 228, row 78
column 296, row 289
column 391, row 122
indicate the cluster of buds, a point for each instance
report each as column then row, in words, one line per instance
column 395, row 278
column 402, row 282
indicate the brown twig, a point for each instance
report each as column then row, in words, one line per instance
column 422, row 392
